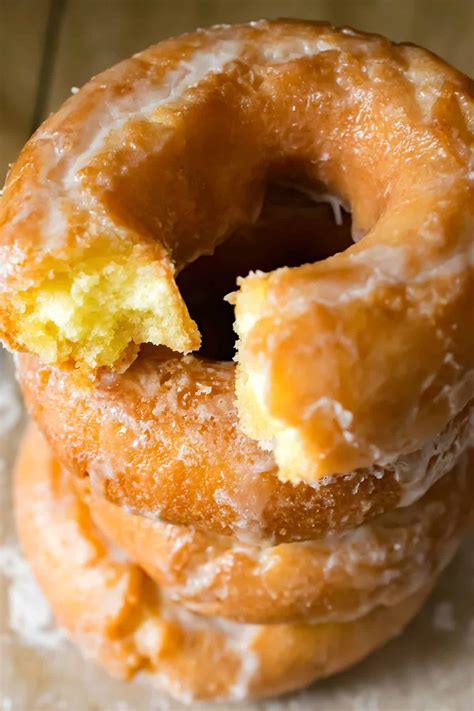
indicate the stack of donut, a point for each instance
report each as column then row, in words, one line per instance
column 237, row 528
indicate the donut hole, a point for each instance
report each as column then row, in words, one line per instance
column 292, row 229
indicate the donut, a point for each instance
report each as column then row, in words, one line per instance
column 122, row 620
column 163, row 440
column 337, row 579
column 344, row 363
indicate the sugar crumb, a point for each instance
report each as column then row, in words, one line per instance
column 443, row 617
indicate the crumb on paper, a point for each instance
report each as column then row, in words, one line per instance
column 443, row 618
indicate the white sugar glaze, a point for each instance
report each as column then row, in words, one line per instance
column 107, row 118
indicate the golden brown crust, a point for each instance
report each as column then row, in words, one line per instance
column 163, row 440
column 341, row 577
column 117, row 616
column 330, row 369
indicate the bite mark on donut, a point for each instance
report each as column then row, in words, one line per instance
column 98, row 310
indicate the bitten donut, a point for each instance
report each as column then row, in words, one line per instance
column 118, row 616
column 163, row 440
column 160, row 159
column 336, row 579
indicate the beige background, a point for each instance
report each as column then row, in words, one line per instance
column 46, row 47
column 90, row 35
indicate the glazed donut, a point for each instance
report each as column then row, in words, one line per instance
column 337, row 579
column 161, row 158
column 120, row 619
column 163, row 440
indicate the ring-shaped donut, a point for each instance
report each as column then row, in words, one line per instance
column 119, row 617
column 164, row 440
column 158, row 160
column 339, row 578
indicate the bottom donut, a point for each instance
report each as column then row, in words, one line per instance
column 119, row 617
